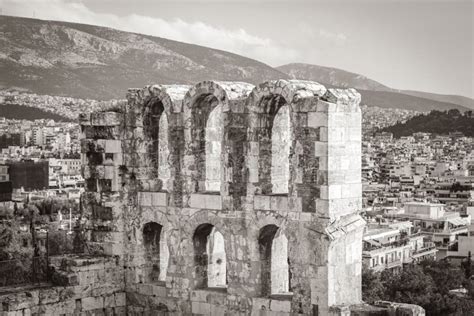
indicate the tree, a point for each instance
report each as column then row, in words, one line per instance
column 467, row 266
column 411, row 286
column 427, row 284
column 372, row 287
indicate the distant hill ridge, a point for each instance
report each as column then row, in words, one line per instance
column 92, row 62
column 375, row 93
column 86, row 61
column 436, row 122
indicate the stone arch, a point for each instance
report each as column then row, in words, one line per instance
column 269, row 103
column 156, row 111
column 199, row 103
column 156, row 253
column 210, row 258
column 274, row 261
column 280, row 151
column 262, row 116
column 206, row 108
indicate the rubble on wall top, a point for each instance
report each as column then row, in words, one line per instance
column 342, row 96
column 176, row 92
column 236, row 90
column 291, row 90
column 306, row 87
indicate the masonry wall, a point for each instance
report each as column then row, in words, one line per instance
column 82, row 286
column 177, row 166
column 316, row 208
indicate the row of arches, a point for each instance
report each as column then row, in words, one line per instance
column 210, row 258
column 205, row 139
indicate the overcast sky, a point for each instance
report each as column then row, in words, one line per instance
column 419, row 45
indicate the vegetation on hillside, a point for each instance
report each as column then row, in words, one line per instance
column 428, row 284
column 436, row 122
column 20, row 112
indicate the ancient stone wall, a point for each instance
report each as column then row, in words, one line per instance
column 226, row 199
column 273, row 170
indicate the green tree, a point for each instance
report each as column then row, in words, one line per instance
column 427, row 284
column 372, row 287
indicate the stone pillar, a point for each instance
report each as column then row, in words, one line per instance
column 102, row 159
column 338, row 151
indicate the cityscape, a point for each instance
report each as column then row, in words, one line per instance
column 141, row 175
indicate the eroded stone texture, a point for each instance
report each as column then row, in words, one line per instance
column 257, row 200
column 216, row 231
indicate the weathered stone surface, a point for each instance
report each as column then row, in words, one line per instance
column 220, row 198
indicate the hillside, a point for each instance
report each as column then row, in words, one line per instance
column 85, row 61
column 92, row 62
column 375, row 93
column 436, row 122
column 331, row 76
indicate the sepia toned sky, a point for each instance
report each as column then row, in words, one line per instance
column 419, row 45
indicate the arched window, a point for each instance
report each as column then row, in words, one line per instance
column 280, row 172
column 209, row 257
column 214, row 134
column 270, row 128
column 156, row 253
column 155, row 130
column 275, row 270
column 206, row 135
column 163, row 152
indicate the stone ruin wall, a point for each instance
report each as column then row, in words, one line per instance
column 192, row 208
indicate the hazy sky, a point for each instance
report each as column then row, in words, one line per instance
column 420, row 45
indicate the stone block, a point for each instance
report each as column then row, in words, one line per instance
column 213, row 202
column 279, row 203
column 317, row 119
column 197, row 201
column 144, row 199
column 159, row 199
column 201, row 308
column 217, row 310
column 206, row 201
column 332, row 191
column 91, row 303
column 324, row 106
column 199, row 296
column 323, row 134
column 351, row 190
column 159, row 291
column 109, row 172
column 280, row 306
column 113, row 146
column 262, row 202
column 321, row 149
column 336, row 134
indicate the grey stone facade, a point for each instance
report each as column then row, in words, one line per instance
column 201, row 214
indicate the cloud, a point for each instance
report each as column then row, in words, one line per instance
column 238, row 41
column 338, row 38
column 322, row 34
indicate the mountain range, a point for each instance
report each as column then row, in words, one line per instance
column 86, row 61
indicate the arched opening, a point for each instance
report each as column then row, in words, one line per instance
column 155, row 130
column 207, row 133
column 280, row 172
column 155, row 253
column 164, row 173
column 275, row 269
column 272, row 133
column 214, row 134
column 280, row 265
column 209, row 257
